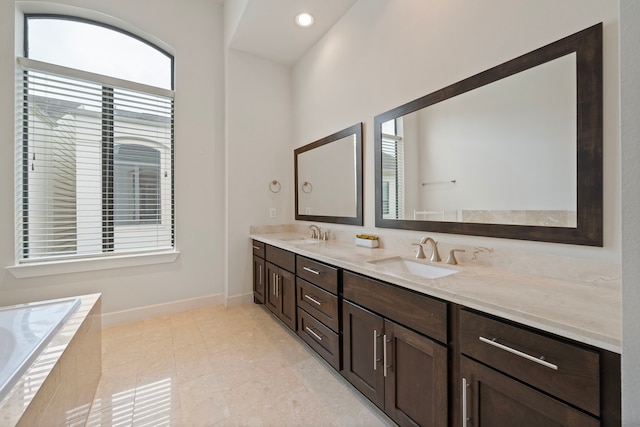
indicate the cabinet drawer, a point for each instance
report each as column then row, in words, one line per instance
column 258, row 248
column 319, row 303
column 416, row 311
column 281, row 258
column 567, row 371
column 322, row 339
column 319, row 274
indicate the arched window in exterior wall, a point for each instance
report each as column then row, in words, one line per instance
column 95, row 145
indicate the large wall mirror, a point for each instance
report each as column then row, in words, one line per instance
column 328, row 178
column 513, row 152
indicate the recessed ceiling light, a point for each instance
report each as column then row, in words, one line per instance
column 304, row 19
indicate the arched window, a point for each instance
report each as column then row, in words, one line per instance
column 95, row 148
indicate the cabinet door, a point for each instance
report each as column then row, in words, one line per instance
column 287, row 294
column 362, row 349
column 495, row 400
column 415, row 378
column 272, row 296
column 258, row 280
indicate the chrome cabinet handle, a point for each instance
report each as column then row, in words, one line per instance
column 312, row 299
column 260, row 274
column 257, row 248
column 465, row 385
column 539, row 360
column 308, row 329
column 384, row 355
column 375, row 349
column 310, row 270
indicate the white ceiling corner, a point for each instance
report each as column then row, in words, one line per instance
column 267, row 28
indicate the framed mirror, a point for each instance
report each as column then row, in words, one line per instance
column 512, row 152
column 328, row 178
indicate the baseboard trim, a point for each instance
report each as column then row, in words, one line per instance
column 172, row 307
column 242, row 299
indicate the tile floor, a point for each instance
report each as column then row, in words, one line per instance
column 220, row 367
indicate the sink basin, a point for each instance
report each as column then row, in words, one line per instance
column 403, row 266
column 297, row 241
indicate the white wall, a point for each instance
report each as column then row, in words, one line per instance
column 384, row 53
column 258, row 152
column 194, row 35
column 630, row 135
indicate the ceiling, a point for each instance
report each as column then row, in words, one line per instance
column 267, row 29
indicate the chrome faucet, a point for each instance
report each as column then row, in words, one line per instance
column 315, row 231
column 420, row 252
column 435, row 256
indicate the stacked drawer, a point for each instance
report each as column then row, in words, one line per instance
column 317, row 304
column 563, row 371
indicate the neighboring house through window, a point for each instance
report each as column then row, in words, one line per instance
column 95, row 147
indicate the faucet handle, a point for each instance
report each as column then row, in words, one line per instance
column 420, row 252
column 452, row 256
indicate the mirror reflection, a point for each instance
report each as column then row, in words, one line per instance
column 499, row 166
column 328, row 178
column 512, row 152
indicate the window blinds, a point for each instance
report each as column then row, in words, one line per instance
column 94, row 165
column 393, row 176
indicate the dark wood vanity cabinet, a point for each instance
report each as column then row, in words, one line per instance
column 514, row 375
column 318, row 308
column 400, row 370
column 427, row 362
column 259, row 270
column 280, row 292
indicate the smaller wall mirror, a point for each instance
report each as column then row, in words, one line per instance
column 328, row 178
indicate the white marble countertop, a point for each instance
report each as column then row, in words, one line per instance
column 586, row 312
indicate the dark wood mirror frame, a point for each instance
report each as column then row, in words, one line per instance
column 587, row 45
column 358, row 219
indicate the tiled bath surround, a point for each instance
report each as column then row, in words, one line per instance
column 58, row 388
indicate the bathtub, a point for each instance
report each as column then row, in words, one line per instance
column 24, row 331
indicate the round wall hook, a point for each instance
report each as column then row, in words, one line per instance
column 274, row 186
column 307, row 187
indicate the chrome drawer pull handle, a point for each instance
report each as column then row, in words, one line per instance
column 539, row 360
column 310, row 270
column 308, row 329
column 312, row 299
column 257, row 248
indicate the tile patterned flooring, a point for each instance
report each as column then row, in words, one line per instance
column 220, row 367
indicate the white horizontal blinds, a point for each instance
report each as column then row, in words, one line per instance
column 95, row 166
column 392, row 172
column 142, row 163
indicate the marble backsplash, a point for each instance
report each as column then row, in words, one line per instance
column 538, row 264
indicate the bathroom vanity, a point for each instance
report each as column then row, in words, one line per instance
column 481, row 347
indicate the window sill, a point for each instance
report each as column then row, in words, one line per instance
column 92, row 264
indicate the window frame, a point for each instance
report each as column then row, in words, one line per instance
column 89, row 262
column 25, row 36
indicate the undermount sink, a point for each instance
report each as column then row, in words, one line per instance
column 297, row 240
column 403, row 266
